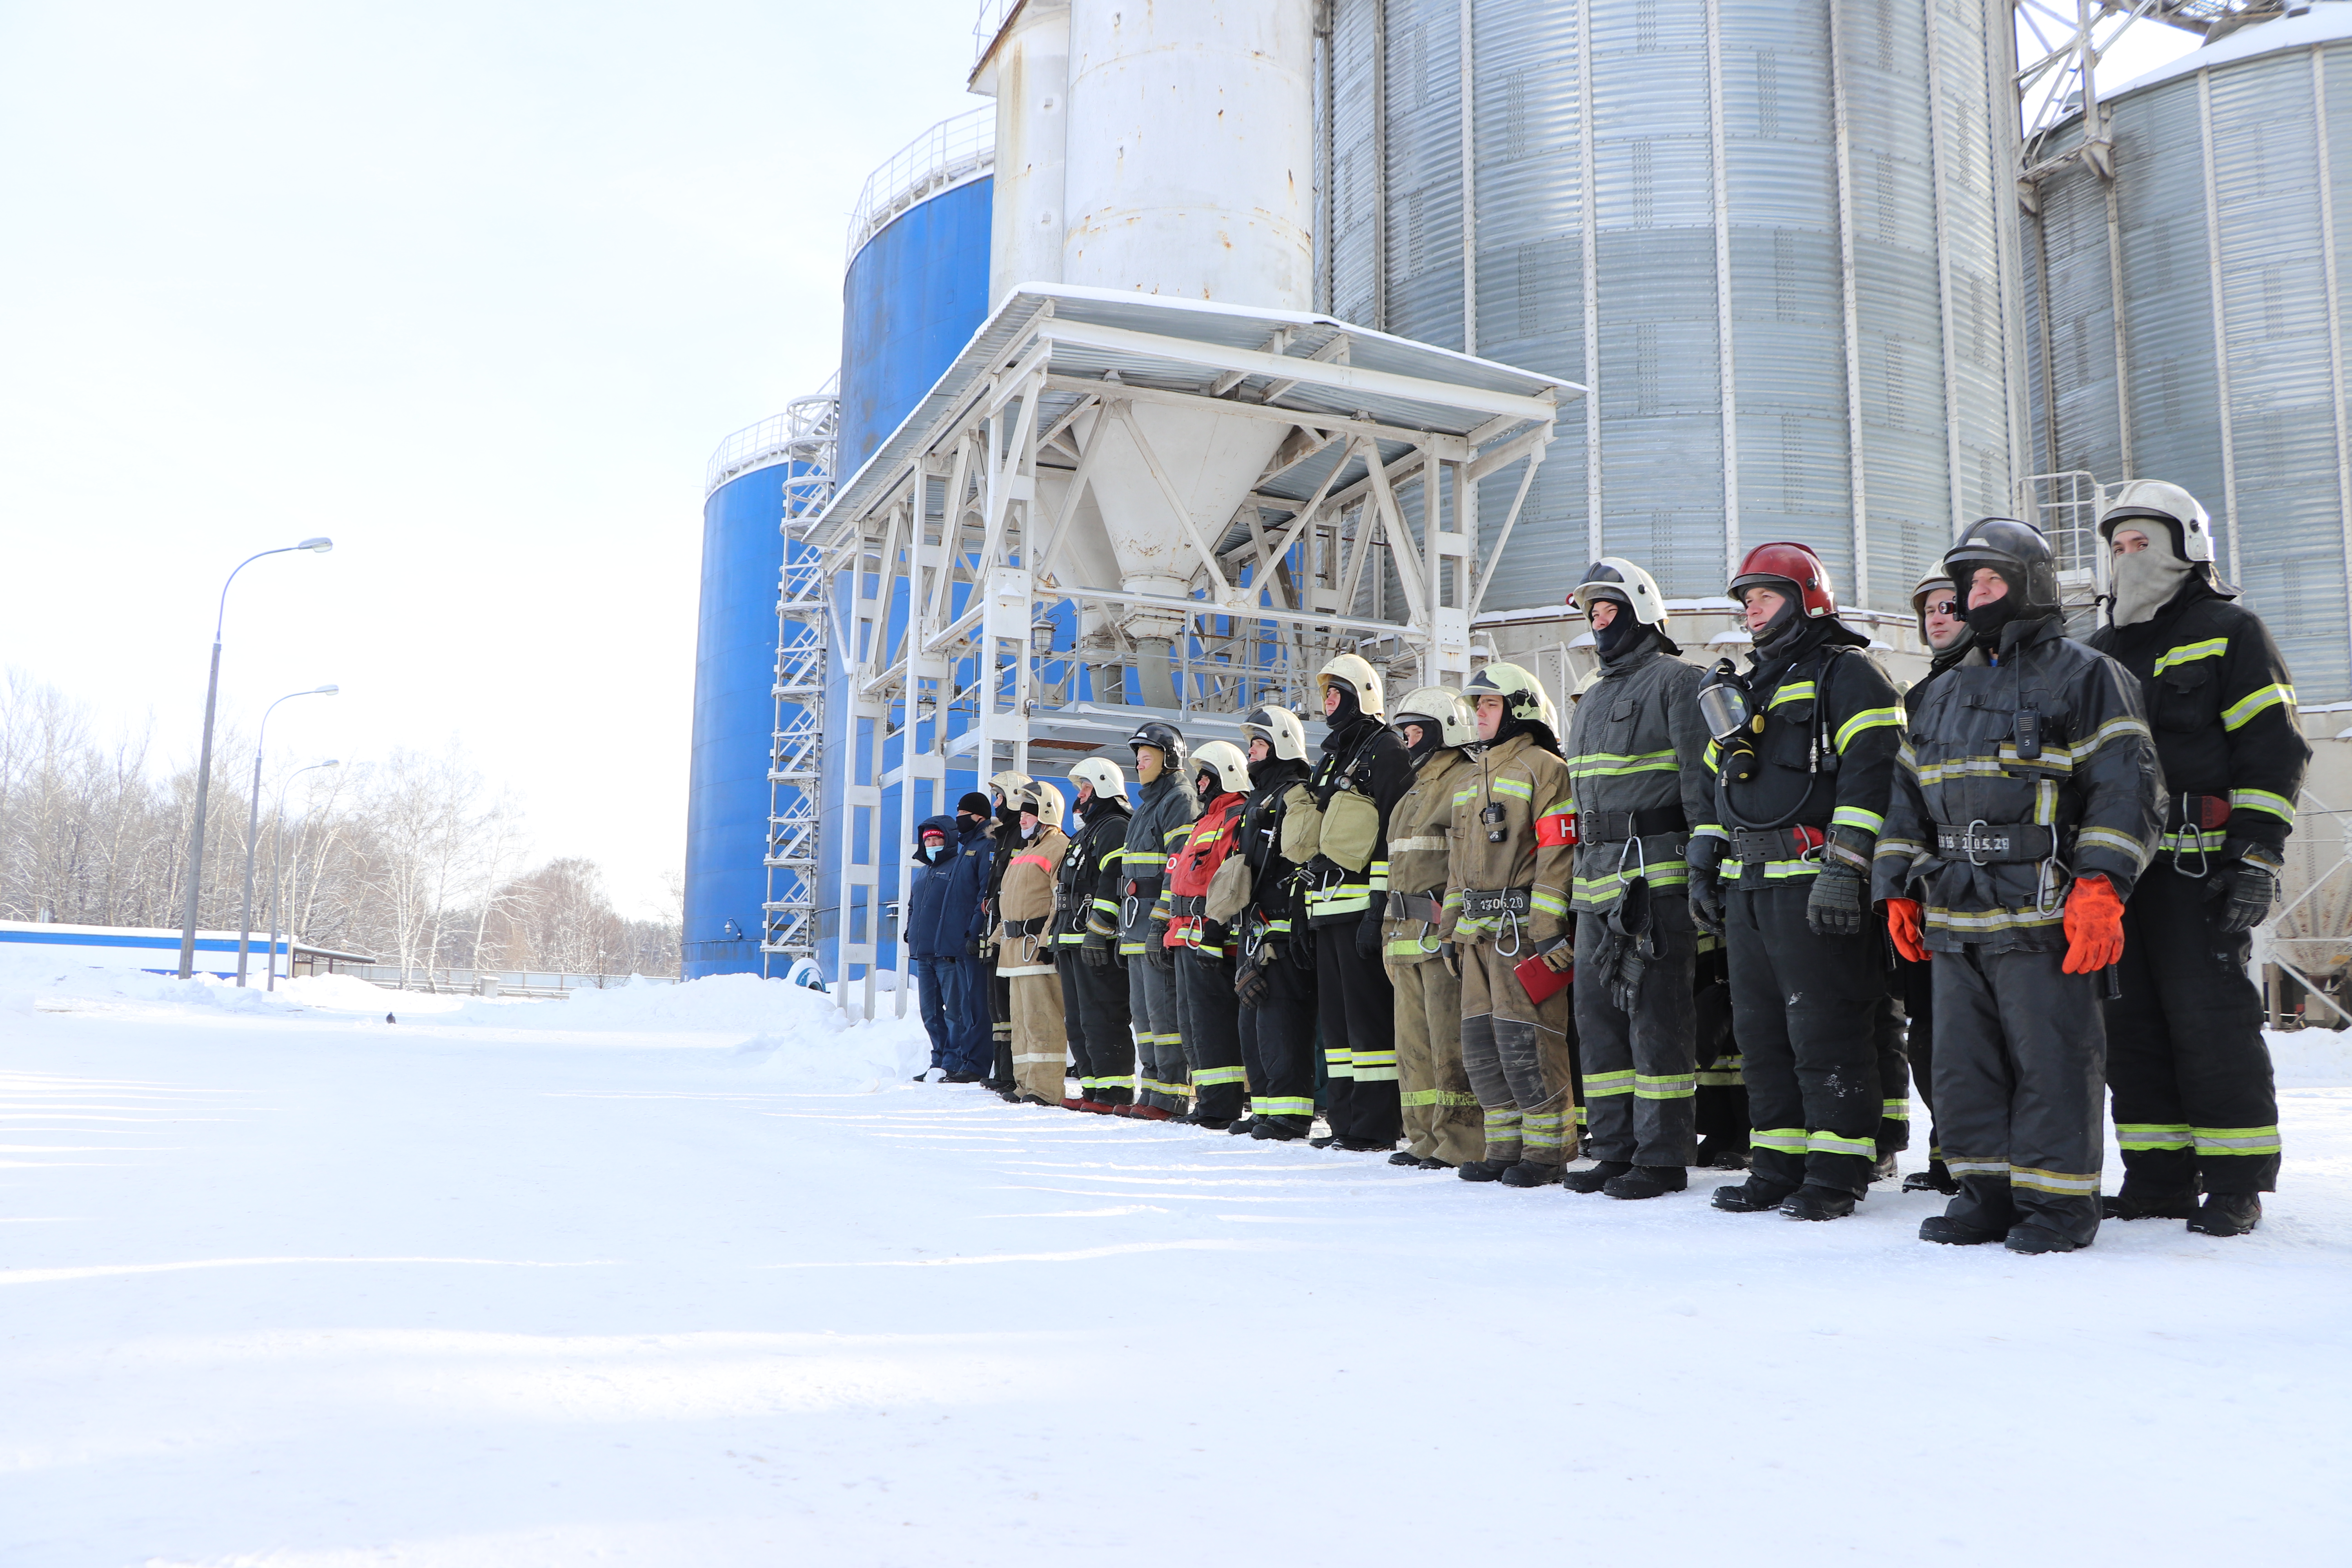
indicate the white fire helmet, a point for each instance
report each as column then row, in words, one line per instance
column 1045, row 800
column 1102, row 773
column 2159, row 501
column 1009, row 785
column 1441, row 708
column 1614, row 577
column 1280, row 729
column 1357, row 674
column 1224, row 759
column 1523, row 695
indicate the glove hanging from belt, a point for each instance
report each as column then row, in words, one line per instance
column 1630, row 946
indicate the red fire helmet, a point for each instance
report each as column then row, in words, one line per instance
column 1785, row 563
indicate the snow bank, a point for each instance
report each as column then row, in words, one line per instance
column 2312, row 1058
column 29, row 978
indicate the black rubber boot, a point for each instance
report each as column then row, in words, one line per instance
column 2032, row 1240
column 1721, row 1154
column 1268, row 1131
column 2226, row 1214
column 1482, row 1170
column 1809, row 1202
column 1244, row 1126
column 1598, row 1177
column 1212, row 1124
column 1951, row 1231
column 1530, row 1173
column 1364, row 1145
column 1404, row 1157
column 1323, row 1142
column 2162, row 1206
column 1432, row 1163
column 1648, row 1182
column 1936, row 1178
column 1754, row 1195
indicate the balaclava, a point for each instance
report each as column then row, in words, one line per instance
column 1611, row 639
column 1785, row 621
column 2146, row 580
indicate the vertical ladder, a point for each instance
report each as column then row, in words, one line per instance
column 796, row 755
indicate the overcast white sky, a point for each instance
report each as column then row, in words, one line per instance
column 473, row 288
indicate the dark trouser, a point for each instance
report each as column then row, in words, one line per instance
column 2021, row 1050
column 1213, row 1039
column 2191, row 1077
column 1640, row 1069
column 1806, row 1009
column 1919, row 1041
column 930, row 996
column 959, row 1038
column 1720, row 1107
column 1277, row 1041
column 1096, row 1017
column 1357, row 1006
column 1894, row 1079
column 1161, row 1079
column 1000, row 1025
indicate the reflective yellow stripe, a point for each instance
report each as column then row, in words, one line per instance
column 1855, row 816
column 1668, row 1086
column 1281, row 1105
column 2107, row 837
column 2239, row 714
column 2278, row 805
column 1779, row 1140
column 1830, row 1143
column 1599, row 1085
column 2189, row 652
column 1795, row 691
column 1517, row 788
column 2065, row 1183
column 1896, row 1110
column 1209, row 1076
column 2138, row 1136
column 1609, row 765
column 1868, row 718
column 2237, row 1139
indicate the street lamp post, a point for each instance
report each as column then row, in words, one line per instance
column 253, row 825
column 204, row 758
column 277, row 879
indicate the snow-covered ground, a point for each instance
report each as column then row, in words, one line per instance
column 692, row 1275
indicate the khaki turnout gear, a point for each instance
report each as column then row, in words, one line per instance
column 1442, row 1117
column 1024, row 957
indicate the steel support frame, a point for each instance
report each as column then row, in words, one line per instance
column 789, row 913
column 987, row 504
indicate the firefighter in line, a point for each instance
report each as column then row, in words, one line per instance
column 2026, row 808
column 1162, row 820
column 1208, row 1010
column 1803, row 757
column 1273, row 976
column 1444, row 1126
column 1362, row 774
column 1944, row 628
column 1025, row 946
column 1636, row 756
column 1507, row 889
column 1004, row 832
column 1094, row 989
column 2195, row 1107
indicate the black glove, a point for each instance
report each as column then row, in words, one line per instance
column 1159, row 956
column 1368, row 938
column 1096, row 955
column 1837, row 903
column 1451, row 956
column 1707, row 901
column 1251, row 984
column 2249, row 889
column 977, row 947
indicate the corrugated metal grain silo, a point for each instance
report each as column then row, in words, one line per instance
column 1801, row 331
column 2184, row 320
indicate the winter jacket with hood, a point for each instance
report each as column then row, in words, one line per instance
column 2075, row 789
column 2217, row 694
column 944, row 894
column 1636, row 761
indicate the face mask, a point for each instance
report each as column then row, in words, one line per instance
column 1783, row 623
column 1986, row 620
column 1611, row 637
column 2146, row 580
column 935, row 853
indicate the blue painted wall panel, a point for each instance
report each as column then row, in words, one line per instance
column 914, row 296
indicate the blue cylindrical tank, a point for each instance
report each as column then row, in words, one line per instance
column 915, row 294
column 734, row 722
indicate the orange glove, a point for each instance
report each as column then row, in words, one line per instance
column 2094, row 926
column 1903, row 925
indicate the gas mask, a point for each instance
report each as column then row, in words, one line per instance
column 1724, row 702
